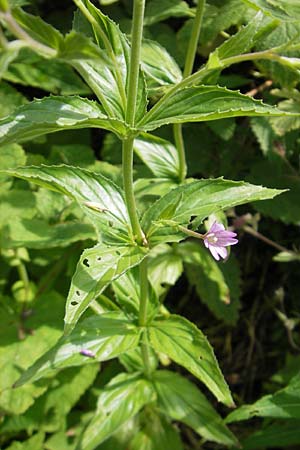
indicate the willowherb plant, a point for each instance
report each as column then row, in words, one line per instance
column 138, row 328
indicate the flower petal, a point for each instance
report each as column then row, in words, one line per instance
column 214, row 252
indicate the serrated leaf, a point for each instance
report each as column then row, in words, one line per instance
column 96, row 269
column 101, row 200
column 284, row 404
column 159, row 67
column 121, row 400
column 185, row 344
column 181, row 400
column 160, row 155
column 202, row 103
column 210, row 282
column 199, row 198
column 288, row 10
column 98, row 338
column 55, row 114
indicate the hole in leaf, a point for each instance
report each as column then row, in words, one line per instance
column 110, row 223
column 118, row 253
column 164, row 285
column 78, row 293
column 85, row 262
column 74, row 303
column 99, row 258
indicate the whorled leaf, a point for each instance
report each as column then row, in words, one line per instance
column 198, row 198
column 52, row 114
column 98, row 338
column 185, row 344
column 202, row 103
column 96, row 269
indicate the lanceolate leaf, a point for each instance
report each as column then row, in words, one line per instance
column 97, row 338
column 55, row 114
column 185, row 344
column 97, row 267
column 99, row 197
column 202, row 103
column 182, row 401
column 199, row 198
column 121, row 400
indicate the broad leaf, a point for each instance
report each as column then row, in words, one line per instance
column 158, row 154
column 160, row 68
column 96, row 269
column 98, row 338
column 199, row 198
column 288, row 10
column 121, row 400
column 181, row 400
column 185, row 344
column 284, row 404
column 202, row 103
column 55, row 114
column 101, row 200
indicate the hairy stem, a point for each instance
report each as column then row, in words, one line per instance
column 144, row 296
column 136, row 42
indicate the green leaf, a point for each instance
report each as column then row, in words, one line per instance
column 127, row 291
column 156, row 11
column 202, row 103
column 181, row 400
column 77, row 46
column 33, row 443
column 109, row 77
column 198, row 198
column 101, row 200
column 284, row 404
column 277, row 435
column 98, row 338
column 10, row 156
column 121, row 400
column 160, row 68
column 31, row 69
column 16, row 204
column 156, row 434
column 185, row 344
column 55, row 114
column 37, row 29
column 158, row 154
column 288, row 10
column 10, row 99
column 213, row 285
column 36, row 233
column 96, row 269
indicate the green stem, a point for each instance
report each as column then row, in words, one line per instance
column 127, row 165
column 25, row 279
column 134, row 68
column 144, row 296
column 188, row 68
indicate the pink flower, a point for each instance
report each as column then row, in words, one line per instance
column 217, row 239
